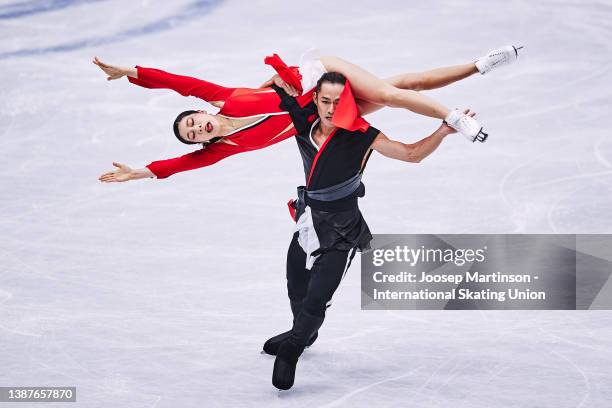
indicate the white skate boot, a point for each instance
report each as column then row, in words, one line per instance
column 466, row 125
column 497, row 58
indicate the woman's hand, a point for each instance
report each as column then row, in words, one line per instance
column 113, row 71
column 278, row 81
column 124, row 173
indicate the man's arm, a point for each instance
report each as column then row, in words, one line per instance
column 411, row 152
column 414, row 152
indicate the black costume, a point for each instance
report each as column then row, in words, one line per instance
column 327, row 206
column 330, row 228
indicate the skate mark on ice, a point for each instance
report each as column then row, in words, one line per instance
column 502, row 191
column 569, row 178
column 20, row 332
column 194, row 10
column 32, row 271
column 5, row 296
column 558, row 339
column 558, row 70
column 549, row 214
column 434, row 394
column 158, row 398
column 494, row 374
column 357, row 335
column 351, row 394
column 599, row 155
column 585, row 378
column 59, row 349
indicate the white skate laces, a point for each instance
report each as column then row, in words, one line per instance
column 497, row 58
column 466, row 125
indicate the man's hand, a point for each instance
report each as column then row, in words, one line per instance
column 278, row 81
column 113, row 71
column 123, row 173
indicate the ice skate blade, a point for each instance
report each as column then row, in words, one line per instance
column 481, row 137
column 516, row 50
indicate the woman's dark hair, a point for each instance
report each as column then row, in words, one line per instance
column 332, row 78
column 176, row 124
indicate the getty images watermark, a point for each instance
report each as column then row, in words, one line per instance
column 487, row 272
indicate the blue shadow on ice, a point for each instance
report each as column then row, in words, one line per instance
column 194, row 10
column 27, row 8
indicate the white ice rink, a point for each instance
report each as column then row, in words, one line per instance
column 160, row 293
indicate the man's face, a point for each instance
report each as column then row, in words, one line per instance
column 327, row 101
column 199, row 127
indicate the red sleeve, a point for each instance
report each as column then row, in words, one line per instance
column 194, row 160
column 185, row 85
column 290, row 75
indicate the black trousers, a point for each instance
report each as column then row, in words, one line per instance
column 314, row 287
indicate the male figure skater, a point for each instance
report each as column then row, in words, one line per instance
column 330, row 227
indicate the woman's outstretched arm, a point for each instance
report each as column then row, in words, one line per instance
column 156, row 78
column 125, row 173
column 115, row 72
column 161, row 169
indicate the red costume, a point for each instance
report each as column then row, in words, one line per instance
column 275, row 125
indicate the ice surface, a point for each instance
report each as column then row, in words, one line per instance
column 161, row 293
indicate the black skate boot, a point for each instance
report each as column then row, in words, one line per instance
column 272, row 344
column 292, row 348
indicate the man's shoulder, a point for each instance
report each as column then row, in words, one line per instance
column 370, row 131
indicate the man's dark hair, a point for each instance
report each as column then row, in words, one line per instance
column 175, row 126
column 332, row 78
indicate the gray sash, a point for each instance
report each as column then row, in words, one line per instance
column 332, row 193
column 337, row 191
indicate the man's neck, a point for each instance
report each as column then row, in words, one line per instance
column 326, row 130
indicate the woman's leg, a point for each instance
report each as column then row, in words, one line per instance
column 432, row 79
column 373, row 89
column 422, row 81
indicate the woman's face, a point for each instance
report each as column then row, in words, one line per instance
column 199, row 127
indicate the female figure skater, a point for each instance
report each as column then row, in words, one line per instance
column 250, row 119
